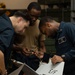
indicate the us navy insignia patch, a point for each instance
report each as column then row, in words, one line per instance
column 62, row 40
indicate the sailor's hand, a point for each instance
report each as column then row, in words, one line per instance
column 55, row 59
column 39, row 54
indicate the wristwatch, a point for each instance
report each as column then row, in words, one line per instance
column 63, row 57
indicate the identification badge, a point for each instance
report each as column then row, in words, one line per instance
column 62, row 40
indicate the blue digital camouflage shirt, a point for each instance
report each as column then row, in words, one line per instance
column 65, row 45
column 6, row 36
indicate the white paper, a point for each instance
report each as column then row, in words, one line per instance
column 50, row 69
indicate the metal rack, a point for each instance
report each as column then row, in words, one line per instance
column 73, row 11
column 63, row 10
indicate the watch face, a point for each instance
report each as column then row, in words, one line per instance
column 63, row 56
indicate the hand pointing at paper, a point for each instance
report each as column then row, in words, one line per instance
column 55, row 59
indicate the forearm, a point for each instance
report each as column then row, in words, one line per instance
column 2, row 64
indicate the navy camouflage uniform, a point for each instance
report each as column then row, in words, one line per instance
column 65, row 46
column 6, row 37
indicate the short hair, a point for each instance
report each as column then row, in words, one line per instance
column 44, row 20
column 34, row 5
column 24, row 14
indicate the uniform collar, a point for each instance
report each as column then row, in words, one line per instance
column 6, row 17
column 61, row 26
